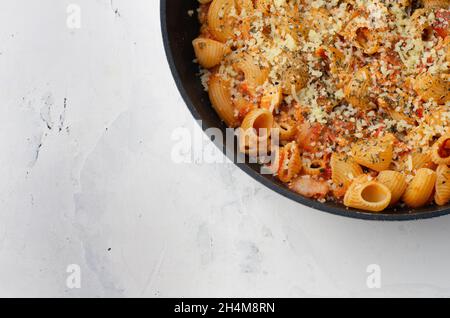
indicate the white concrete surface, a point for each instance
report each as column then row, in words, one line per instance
column 86, row 123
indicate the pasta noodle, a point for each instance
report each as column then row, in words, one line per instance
column 419, row 191
column 286, row 131
column 255, row 132
column 294, row 74
column 433, row 87
column 220, row 96
column 220, row 21
column 290, row 162
column 436, row 3
column 374, row 154
column 416, row 160
column 209, row 52
column 358, row 31
column 367, row 195
column 350, row 98
column 357, row 91
column 254, row 74
column 395, row 182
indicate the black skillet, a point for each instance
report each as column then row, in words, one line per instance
column 178, row 30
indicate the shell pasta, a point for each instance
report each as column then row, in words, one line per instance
column 350, row 98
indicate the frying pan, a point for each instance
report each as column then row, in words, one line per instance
column 178, row 30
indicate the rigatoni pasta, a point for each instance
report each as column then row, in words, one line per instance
column 209, row 52
column 440, row 152
column 254, row 133
column 395, row 182
column 414, row 161
column 418, row 193
column 353, row 97
column 289, row 162
column 220, row 96
column 375, row 154
column 367, row 194
column 221, row 22
column 343, row 171
column 436, row 3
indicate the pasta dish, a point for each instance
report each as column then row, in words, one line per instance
column 351, row 98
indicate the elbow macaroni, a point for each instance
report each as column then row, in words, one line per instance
column 358, row 93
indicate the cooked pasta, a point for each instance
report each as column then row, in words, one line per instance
column 375, row 154
column 254, row 75
column 343, row 170
column 356, row 92
column 286, row 131
column 436, row 3
column 434, row 87
column 272, row 98
column 313, row 167
column 419, row 190
column 221, row 22
column 209, row 52
column 442, row 193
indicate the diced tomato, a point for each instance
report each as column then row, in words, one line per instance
column 245, row 88
column 326, row 174
column 320, row 52
column 378, row 131
column 441, row 32
column 419, row 112
column 317, row 129
column 444, row 150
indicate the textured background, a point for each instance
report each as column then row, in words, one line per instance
column 87, row 118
